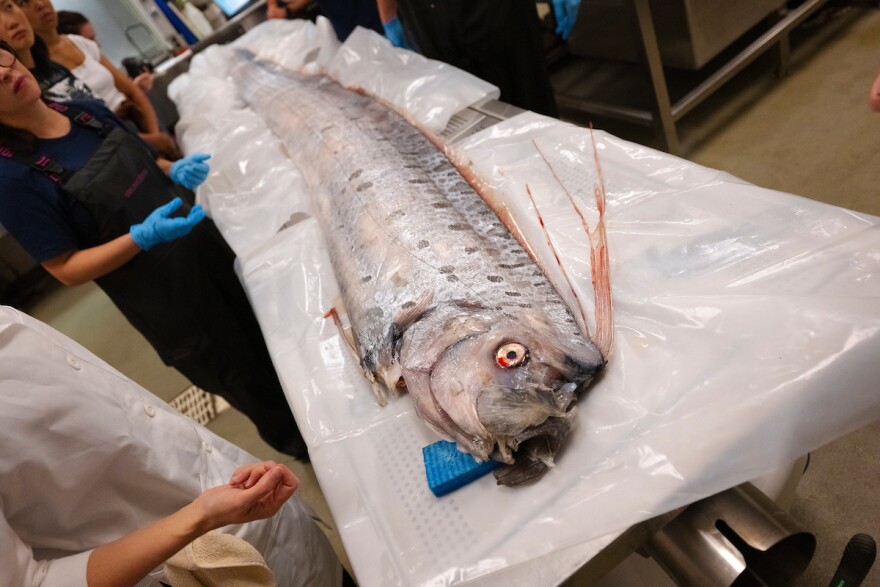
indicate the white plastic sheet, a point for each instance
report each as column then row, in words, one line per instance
column 253, row 189
column 428, row 92
column 746, row 325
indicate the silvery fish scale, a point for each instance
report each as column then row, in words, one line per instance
column 411, row 242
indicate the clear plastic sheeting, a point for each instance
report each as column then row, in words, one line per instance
column 294, row 44
column 253, row 188
column 426, row 91
column 746, row 334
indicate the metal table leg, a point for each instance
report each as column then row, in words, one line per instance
column 662, row 118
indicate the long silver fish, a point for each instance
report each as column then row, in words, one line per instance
column 441, row 299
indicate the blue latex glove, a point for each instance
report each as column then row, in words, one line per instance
column 190, row 171
column 394, row 33
column 566, row 12
column 159, row 228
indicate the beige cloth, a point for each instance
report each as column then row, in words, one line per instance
column 218, row 560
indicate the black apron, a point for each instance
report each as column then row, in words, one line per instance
column 183, row 296
column 499, row 41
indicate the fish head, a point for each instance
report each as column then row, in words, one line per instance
column 494, row 381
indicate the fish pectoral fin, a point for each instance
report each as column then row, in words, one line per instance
column 411, row 311
column 340, row 318
column 379, row 390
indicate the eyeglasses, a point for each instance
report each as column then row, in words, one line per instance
column 7, row 55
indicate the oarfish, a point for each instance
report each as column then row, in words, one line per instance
column 441, row 299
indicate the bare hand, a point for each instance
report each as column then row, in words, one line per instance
column 144, row 81
column 261, row 490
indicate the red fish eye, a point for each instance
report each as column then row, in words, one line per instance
column 511, row 354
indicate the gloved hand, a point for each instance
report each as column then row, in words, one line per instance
column 159, row 228
column 190, row 171
column 566, row 12
column 394, row 33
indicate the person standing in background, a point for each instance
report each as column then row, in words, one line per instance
column 499, row 41
column 85, row 60
column 74, row 23
column 344, row 15
column 89, row 201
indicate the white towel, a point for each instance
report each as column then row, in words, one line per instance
column 218, row 560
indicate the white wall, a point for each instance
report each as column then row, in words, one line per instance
column 110, row 18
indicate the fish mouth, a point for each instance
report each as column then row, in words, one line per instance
column 535, row 452
column 529, row 425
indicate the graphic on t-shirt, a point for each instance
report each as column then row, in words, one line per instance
column 59, row 85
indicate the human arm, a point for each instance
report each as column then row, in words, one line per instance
column 387, row 10
column 85, row 265
column 391, row 23
column 128, row 559
column 127, row 86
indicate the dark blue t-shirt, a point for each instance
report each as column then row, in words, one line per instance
column 44, row 220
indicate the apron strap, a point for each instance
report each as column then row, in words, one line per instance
column 49, row 167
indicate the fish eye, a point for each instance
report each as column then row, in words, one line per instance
column 511, row 354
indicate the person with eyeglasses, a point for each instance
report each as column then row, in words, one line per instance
column 71, row 67
column 88, row 200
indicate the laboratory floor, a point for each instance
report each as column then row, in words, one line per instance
column 810, row 133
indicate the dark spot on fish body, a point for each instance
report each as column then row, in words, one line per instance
column 537, row 274
column 457, row 227
column 513, row 294
column 451, row 278
column 364, row 186
column 423, row 244
column 471, row 250
column 374, row 312
column 366, row 278
column 511, row 265
column 407, row 305
column 441, row 205
column 419, row 181
column 495, row 278
column 525, row 305
column 447, row 269
column 355, row 175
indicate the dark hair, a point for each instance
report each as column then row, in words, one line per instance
column 40, row 53
column 69, row 22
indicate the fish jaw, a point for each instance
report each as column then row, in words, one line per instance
column 463, row 389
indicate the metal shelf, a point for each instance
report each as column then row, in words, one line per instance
column 663, row 112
